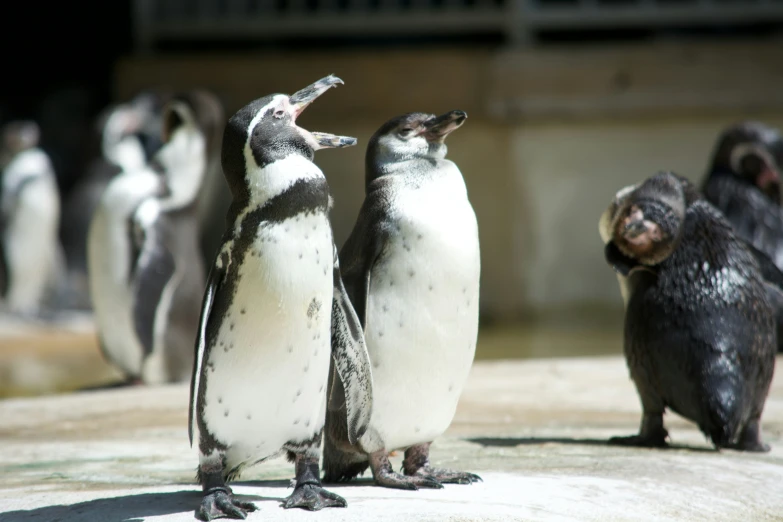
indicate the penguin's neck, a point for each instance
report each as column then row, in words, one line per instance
column 275, row 178
column 184, row 163
column 126, row 152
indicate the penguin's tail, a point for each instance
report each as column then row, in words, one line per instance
column 340, row 465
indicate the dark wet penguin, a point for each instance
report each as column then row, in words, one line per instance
column 700, row 333
column 411, row 267
column 275, row 313
column 744, row 183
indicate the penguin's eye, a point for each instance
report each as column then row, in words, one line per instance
column 751, row 164
column 279, row 113
column 404, row 133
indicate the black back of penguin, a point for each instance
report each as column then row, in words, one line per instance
column 700, row 333
column 744, row 183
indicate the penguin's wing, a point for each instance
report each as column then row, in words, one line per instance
column 214, row 279
column 769, row 270
column 351, row 359
column 363, row 248
column 152, row 269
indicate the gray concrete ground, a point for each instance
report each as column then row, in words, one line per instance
column 535, row 430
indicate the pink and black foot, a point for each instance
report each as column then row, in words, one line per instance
column 417, row 464
column 385, row 476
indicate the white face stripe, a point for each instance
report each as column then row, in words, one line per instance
column 250, row 160
column 744, row 149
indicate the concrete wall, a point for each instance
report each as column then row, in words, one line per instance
column 551, row 136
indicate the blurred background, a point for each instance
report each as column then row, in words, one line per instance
column 568, row 101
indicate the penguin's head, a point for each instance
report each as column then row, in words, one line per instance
column 265, row 131
column 647, row 219
column 18, row 136
column 195, row 110
column 752, row 152
column 410, row 136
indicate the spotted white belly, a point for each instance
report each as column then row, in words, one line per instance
column 422, row 315
column 266, row 376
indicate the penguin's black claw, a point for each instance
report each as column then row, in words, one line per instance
column 390, row 479
column 314, row 498
column 221, row 503
column 447, row 476
column 640, row 441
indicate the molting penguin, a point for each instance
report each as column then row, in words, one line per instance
column 744, row 183
column 411, row 267
column 31, row 261
column 146, row 276
column 274, row 313
column 700, row 334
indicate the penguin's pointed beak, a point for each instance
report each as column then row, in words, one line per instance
column 436, row 129
column 304, row 97
column 330, row 141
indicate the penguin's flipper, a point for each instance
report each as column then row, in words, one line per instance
column 351, row 359
column 769, row 270
column 214, row 279
column 152, row 272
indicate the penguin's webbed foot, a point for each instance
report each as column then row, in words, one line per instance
column 313, row 497
column 447, row 476
column 220, row 502
column 753, row 447
column 389, row 479
column 641, row 441
column 750, row 440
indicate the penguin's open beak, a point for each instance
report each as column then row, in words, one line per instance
column 438, row 128
column 301, row 99
column 331, row 141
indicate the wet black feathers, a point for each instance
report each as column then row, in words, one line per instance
column 701, row 335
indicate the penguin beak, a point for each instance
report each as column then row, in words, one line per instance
column 331, row 141
column 301, row 99
column 436, row 129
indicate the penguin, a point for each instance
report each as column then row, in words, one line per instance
column 274, row 313
column 146, row 276
column 127, row 137
column 700, row 336
column 744, row 183
column 31, row 259
column 411, row 267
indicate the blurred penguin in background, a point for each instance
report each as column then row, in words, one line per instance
column 744, row 184
column 127, row 136
column 31, row 261
column 146, row 273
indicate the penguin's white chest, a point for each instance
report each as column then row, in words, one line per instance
column 266, row 374
column 422, row 317
column 31, row 207
column 109, row 252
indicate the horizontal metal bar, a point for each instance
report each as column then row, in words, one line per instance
column 650, row 15
column 330, row 25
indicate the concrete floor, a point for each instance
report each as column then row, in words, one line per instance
column 534, row 430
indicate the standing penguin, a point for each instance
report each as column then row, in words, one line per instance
column 31, row 261
column 700, row 333
column 145, row 270
column 127, row 137
column 411, row 267
column 273, row 312
column 744, row 183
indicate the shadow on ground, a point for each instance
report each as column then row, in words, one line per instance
column 129, row 508
column 509, row 442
